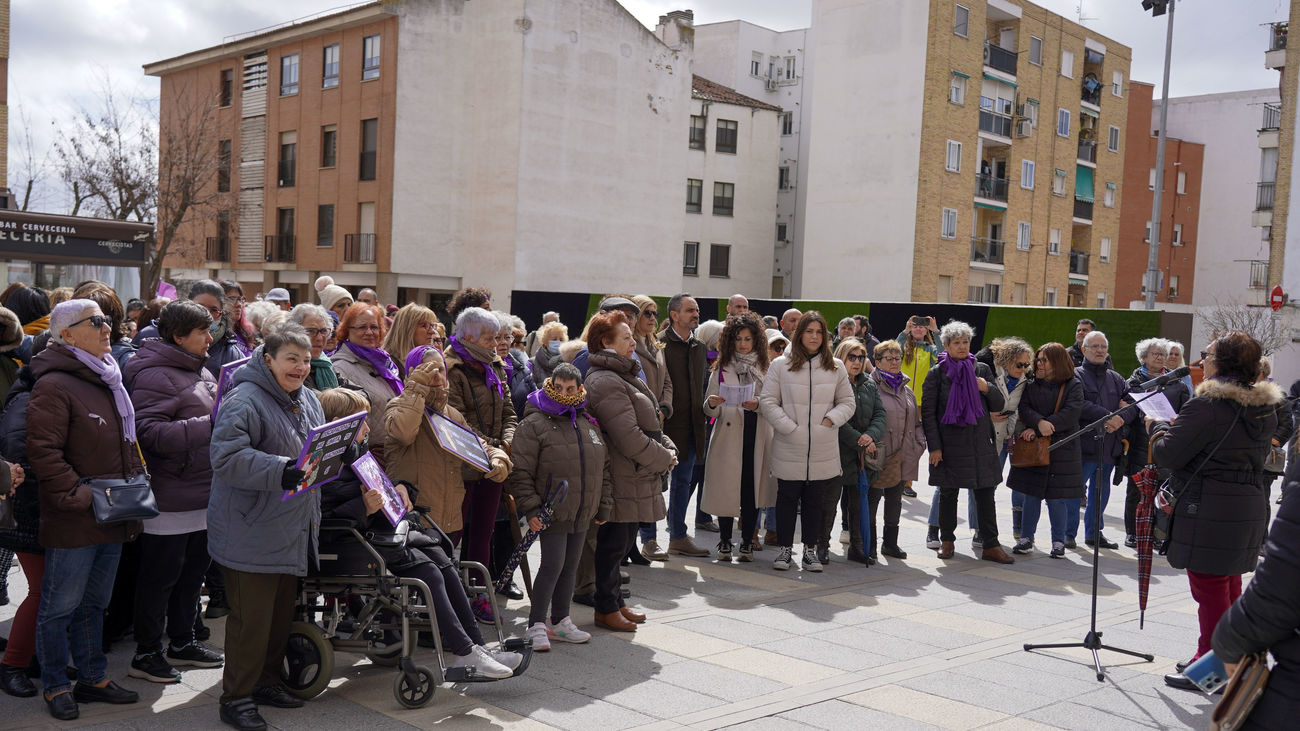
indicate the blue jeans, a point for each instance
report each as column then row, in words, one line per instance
column 970, row 512
column 74, row 593
column 679, row 492
column 1090, row 475
column 1057, row 515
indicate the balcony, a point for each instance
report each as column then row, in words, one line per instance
column 1090, row 90
column 986, row 251
column 1088, row 151
column 995, row 123
column 999, row 58
column 987, row 186
column 278, row 249
column 1264, row 197
column 218, row 248
column 1083, row 209
column 359, row 249
column 1275, row 57
column 1272, row 118
column 1079, row 262
column 1259, row 274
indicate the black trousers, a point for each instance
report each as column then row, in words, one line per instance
column 612, row 543
column 171, row 574
column 451, row 607
column 893, row 497
column 801, row 499
column 985, row 511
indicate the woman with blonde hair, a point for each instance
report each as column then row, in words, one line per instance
column 413, row 325
column 654, row 368
column 549, row 339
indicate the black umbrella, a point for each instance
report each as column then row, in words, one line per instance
column 555, row 497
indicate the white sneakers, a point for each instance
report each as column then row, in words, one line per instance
column 566, row 631
column 484, row 663
column 537, row 633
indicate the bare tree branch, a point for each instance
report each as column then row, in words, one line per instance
column 1258, row 322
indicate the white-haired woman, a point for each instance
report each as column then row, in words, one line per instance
column 955, row 413
column 1151, row 354
column 316, row 322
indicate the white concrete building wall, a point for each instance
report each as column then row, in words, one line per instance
column 864, row 138
column 749, row 230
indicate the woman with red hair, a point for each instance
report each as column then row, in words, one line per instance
column 361, row 362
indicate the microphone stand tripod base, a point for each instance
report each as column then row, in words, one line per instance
column 1092, row 641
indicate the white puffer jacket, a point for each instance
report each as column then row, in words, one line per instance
column 795, row 402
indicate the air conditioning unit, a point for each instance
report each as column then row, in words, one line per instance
column 1024, row 128
column 771, row 84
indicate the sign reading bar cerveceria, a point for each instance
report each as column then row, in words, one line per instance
column 47, row 237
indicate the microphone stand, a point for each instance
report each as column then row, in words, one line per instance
column 1092, row 640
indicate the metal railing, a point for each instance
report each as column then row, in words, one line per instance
column 988, row 186
column 1264, row 197
column 998, row 124
column 999, row 58
column 218, row 248
column 1277, row 33
column 359, row 248
column 1083, row 209
column 1079, row 262
column 1088, row 151
column 1258, row 274
column 1272, row 117
column 987, row 251
column 278, row 249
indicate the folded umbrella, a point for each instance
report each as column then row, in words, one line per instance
column 555, row 497
column 1148, row 482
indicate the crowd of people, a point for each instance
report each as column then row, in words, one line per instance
column 769, row 422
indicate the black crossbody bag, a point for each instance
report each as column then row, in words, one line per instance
column 116, row 500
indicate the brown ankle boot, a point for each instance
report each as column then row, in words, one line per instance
column 947, row 549
column 615, row 621
column 996, row 554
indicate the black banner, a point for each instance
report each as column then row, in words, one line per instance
column 48, row 238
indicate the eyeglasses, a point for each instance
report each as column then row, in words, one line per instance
column 97, row 321
column 429, row 325
column 316, row 331
column 857, row 357
column 366, row 328
column 517, row 341
column 892, row 359
column 236, row 300
column 1024, row 364
column 1207, row 355
column 215, row 312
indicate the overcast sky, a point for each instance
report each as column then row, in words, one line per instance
column 61, row 50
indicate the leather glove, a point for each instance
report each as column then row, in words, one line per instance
column 291, row 478
column 500, row 471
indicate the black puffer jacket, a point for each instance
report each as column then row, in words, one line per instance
column 970, row 455
column 13, row 447
column 1222, row 515
column 1266, row 617
column 1063, row 477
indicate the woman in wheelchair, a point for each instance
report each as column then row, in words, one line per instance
column 426, row 554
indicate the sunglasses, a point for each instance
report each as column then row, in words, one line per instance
column 1023, row 364
column 856, row 358
column 779, row 347
column 98, row 321
column 650, row 313
column 1207, row 354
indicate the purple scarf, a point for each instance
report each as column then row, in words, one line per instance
column 382, row 364
column 489, row 373
column 895, row 380
column 548, row 405
column 964, row 405
column 416, row 357
column 108, row 372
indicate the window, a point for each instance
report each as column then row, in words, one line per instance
column 289, row 74
column 1054, row 241
column 1147, row 236
column 1027, row 174
column 1178, row 234
column 288, row 171
column 1101, row 300
column 370, row 57
column 1031, row 112
column 1067, row 64
column 780, row 232
column 1117, row 83
column 789, row 68
column 1173, row 285
column 325, row 225
column 227, row 87
column 694, row 195
column 724, row 199
column 369, row 147
column 223, row 166
column 1181, row 185
column 1112, row 139
column 697, row 132
column 961, row 21
column 783, row 178
column 1151, row 179
column 691, row 259
column 787, row 123
column 329, row 73
column 1036, row 50
column 1058, row 182
column 329, row 140
column 1049, row 297
column 1063, row 122
column 1104, row 256
column 726, row 139
column 1022, row 236
column 957, row 93
column 948, row 228
column 756, row 65
column 953, row 160
column 1108, row 198
column 719, row 260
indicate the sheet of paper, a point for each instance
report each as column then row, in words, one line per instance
column 734, row 396
column 1157, row 406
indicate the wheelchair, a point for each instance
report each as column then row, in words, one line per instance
column 355, row 604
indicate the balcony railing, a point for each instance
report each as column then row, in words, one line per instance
column 1079, row 262
column 279, row 249
column 1277, row 33
column 999, row 58
column 359, row 249
column 218, row 248
column 1264, row 197
column 988, row 186
column 1272, row 117
column 1259, row 275
column 1088, row 150
column 986, row 251
column 1083, row 209
column 998, row 124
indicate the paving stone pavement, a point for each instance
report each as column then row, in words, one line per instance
column 912, row 644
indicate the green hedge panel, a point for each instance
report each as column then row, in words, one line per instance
column 1039, row 325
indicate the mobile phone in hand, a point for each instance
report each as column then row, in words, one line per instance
column 1208, row 673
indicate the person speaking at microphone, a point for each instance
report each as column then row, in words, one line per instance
column 1151, row 354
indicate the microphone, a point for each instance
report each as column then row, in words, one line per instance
column 1167, row 378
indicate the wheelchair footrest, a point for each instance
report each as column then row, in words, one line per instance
column 465, row 675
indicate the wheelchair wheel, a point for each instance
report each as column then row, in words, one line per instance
column 416, row 689
column 308, row 661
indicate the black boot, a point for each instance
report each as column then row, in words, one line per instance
column 889, row 543
column 217, row 605
column 855, row 552
column 634, row 555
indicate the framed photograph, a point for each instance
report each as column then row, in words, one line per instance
column 224, row 381
column 322, row 454
column 374, row 478
column 459, row 440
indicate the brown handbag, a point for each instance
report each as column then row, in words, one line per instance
column 1241, row 694
column 1035, row 452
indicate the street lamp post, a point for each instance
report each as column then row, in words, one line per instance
column 1153, row 247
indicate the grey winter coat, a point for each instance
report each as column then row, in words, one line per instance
column 258, row 433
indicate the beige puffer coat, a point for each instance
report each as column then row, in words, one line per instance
column 629, row 419
column 550, row 448
column 795, row 402
column 722, row 470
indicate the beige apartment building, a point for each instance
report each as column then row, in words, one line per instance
column 980, row 161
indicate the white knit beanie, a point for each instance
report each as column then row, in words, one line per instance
column 331, row 294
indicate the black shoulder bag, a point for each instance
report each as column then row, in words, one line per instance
column 115, row 500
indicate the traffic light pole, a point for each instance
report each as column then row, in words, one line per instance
column 1153, row 253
